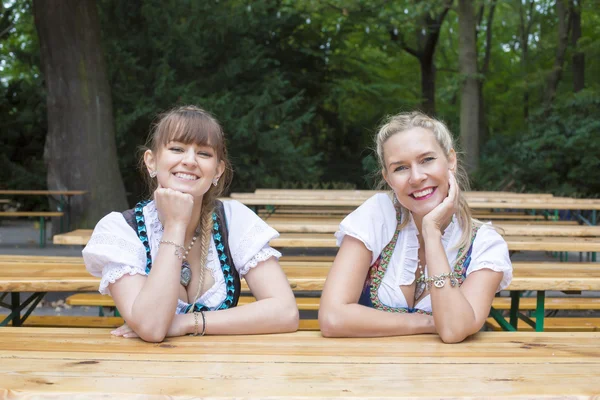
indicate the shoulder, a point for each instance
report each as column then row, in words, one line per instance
column 376, row 209
column 373, row 223
column 233, row 209
column 487, row 235
column 113, row 241
column 113, row 223
column 249, row 235
column 490, row 251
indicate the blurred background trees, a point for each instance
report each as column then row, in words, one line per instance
column 301, row 85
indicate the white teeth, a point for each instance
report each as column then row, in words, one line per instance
column 186, row 176
column 423, row 193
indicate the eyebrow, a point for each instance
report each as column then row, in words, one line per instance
column 428, row 153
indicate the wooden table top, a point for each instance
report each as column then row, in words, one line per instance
column 34, row 276
column 51, row 362
column 43, row 192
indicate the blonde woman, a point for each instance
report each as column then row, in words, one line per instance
column 414, row 261
column 173, row 265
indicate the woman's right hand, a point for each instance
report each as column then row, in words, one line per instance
column 174, row 208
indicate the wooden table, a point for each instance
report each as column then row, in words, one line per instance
column 89, row 363
column 42, row 277
column 64, row 202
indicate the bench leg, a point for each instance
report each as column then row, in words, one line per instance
column 540, row 311
column 515, row 296
column 497, row 315
column 16, row 307
column 42, row 232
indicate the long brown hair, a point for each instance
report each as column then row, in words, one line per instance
column 191, row 124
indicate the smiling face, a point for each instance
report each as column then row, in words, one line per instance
column 417, row 169
column 187, row 152
column 188, row 168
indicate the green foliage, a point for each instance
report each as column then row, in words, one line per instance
column 22, row 105
column 300, row 87
column 560, row 153
column 231, row 58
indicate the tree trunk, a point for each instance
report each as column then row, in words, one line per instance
column 483, row 128
column 427, row 85
column 526, row 22
column 80, row 150
column 564, row 22
column 578, row 56
column 427, row 39
column 469, row 104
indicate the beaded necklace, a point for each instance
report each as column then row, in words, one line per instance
column 221, row 253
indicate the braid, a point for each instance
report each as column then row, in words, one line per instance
column 206, row 224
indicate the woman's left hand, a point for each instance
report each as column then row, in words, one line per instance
column 125, row 331
column 177, row 328
column 440, row 216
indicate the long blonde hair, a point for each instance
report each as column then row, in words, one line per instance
column 404, row 121
column 191, row 124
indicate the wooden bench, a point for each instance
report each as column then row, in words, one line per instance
column 68, row 321
column 556, row 324
column 304, row 276
column 42, row 215
column 312, row 303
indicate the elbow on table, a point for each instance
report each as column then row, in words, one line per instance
column 329, row 323
column 290, row 318
column 150, row 332
column 452, row 336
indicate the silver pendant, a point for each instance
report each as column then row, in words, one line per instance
column 419, row 289
column 453, row 281
column 439, row 283
column 186, row 274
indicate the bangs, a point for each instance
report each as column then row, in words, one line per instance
column 189, row 127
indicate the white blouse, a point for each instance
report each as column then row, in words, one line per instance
column 115, row 249
column 374, row 224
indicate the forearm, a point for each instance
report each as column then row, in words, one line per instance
column 355, row 320
column 453, row 315
column 158, row 297
column 271, row 315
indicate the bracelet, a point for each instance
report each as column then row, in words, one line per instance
column 195, row 324
column 203, row 323
column 439, row 281
column 179, row 251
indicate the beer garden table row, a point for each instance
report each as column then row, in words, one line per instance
column 64, row 198
column 71, row 276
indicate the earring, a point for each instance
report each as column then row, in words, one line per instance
column 215, row 181
column 395, row 199
column 153, row 174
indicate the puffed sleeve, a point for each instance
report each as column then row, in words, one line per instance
column 113, row 251
column 249, row 237
column 491, row 251
column 373, row 223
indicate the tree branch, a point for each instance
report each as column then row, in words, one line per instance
column 398, row 37
column 8, row 28
column 488, row 39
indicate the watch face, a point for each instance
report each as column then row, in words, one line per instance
column 186, row 274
